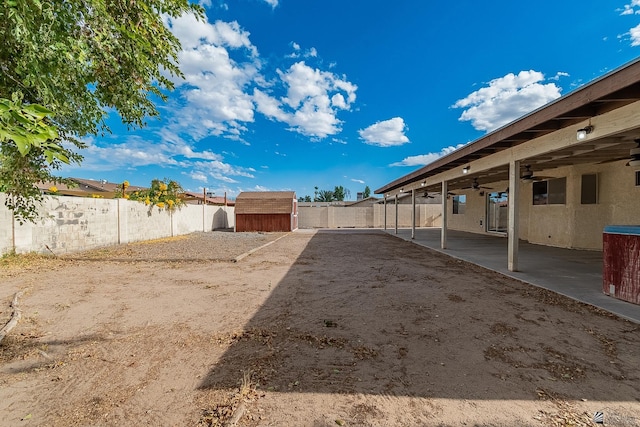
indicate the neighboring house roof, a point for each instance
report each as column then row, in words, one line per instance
column 577, row 109
column 265, row 202
column 221, row 201
column 86, row 188
column 92, row 186
column 369, row 201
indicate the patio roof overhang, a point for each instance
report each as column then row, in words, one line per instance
column 545, row 138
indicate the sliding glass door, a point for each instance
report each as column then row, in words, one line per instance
column 497, row 212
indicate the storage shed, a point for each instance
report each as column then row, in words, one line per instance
column 266, row 211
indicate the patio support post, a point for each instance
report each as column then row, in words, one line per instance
column 396, row 202
column 513, row 229
column 413, row 213
column 385, row 211
column 443, row 230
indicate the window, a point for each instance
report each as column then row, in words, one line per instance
column 459, row 203
column 551, row 192
column 589, row 189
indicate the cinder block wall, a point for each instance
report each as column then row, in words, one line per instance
column 71, row 224
column 313, row 217
column 368, row 217
column 6, row 226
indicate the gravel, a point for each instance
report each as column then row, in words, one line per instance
column 199, row 246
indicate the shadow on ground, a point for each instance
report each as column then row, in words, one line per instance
column 363, row 312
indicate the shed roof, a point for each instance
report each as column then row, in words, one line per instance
column 265, row 202
column 263, row 195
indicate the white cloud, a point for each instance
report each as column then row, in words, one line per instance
column 387, row 133
column 197, row 176
column 312, row 100
column 214, row 98
column 629, row 9
column 272, row 3
column 559, row 75
column 635, row 35
column 425, row 159
column 137, row 152
column 505, row 99
column 297, row 52
column 359, row 181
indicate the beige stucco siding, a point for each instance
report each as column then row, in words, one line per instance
column 571, row 225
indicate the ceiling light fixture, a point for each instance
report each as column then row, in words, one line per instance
column 582, row 133
column 423, row 183
column 466, row 169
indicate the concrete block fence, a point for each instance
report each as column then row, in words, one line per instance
column 71, row 224
column 368, row 217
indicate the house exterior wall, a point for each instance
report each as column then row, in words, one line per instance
column 71, row 224
column 570, row 225
column 429, row 215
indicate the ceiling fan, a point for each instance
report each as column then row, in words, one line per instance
column 528, row 176
column 426, row 195
column 634, row 156
column 475, row 186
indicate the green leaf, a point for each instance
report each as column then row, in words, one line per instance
column 38, row 111
column 22, row 143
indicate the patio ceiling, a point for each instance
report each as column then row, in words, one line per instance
column 606, row 94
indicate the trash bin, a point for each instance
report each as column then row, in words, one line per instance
column 621, row 258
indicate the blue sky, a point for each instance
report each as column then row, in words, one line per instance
column 293, row 94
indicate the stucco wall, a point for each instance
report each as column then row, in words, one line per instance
column 71, row 224
column 368, row 217
column 572, row 225
column 429, row 215
column 426, row 215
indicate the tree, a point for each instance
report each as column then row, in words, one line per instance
column 366, row 193
column 304, row 199
column 339, row 193
column 63, row 66
column 165, row 194
column 325, row 196
column 30, row 131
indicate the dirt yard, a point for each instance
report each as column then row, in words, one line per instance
column 326, row 328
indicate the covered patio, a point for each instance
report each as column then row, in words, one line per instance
column 570, row 272
column 554, row 178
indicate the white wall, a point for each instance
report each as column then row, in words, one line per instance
column 71, row 224
column 571, row 225
column 427, row 215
